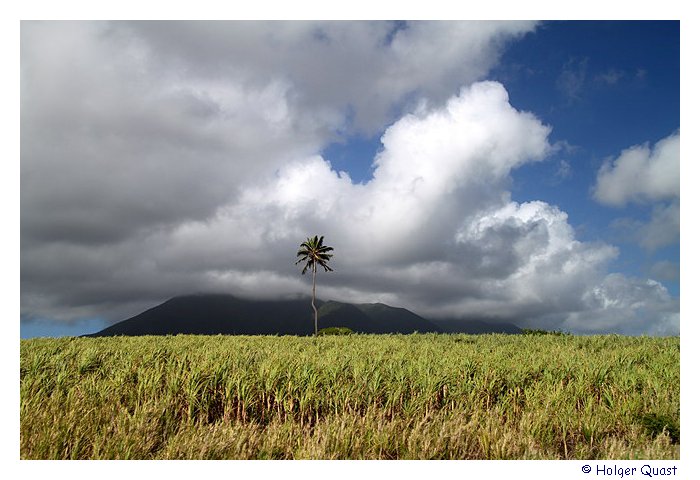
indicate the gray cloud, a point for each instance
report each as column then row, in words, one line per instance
column 629, row 306
column 662, row 228
column 161, row 158
column 385, row 60
column 665, row 270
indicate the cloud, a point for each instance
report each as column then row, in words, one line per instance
column 127, row 126
column 641, row 174
column 112, row 147
column 665, row 270
column 572, row 78
column 387, row 61
column 610, row 77
column 645, row 175
column 433, row 230
column 663, row 228
column 132, row 132
column 164, row 158
column 565, row 171
column 628, row 306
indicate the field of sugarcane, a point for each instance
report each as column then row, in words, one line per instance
column 432, row 396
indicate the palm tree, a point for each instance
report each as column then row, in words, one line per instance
column 314, row 253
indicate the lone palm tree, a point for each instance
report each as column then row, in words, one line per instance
column 314, row 253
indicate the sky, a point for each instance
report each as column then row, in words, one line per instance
column 520, row 171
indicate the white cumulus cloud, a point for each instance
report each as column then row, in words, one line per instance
column 648, row 176
column 641, row 174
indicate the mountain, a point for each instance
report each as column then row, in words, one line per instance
column 372, row 318
column 475, row 326
column 214, row 314
column 395, row 319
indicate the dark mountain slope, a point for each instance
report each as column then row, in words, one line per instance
column 475, row 326
column 218, row 314
column 229, row 315
column 393, row 319
column 373, row 318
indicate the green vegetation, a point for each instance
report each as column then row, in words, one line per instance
column 528, row 331
column 351, row 397
column 335, row 331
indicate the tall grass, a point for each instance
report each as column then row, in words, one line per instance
column 350, row 397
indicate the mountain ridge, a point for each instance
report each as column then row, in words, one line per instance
column 212, row 314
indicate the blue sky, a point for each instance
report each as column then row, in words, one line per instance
column 625, row 78
column 507, row 171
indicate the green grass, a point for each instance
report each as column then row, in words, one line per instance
column 351, row 397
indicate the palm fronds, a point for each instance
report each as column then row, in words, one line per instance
column 314, row 252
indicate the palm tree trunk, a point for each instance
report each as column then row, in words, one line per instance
column 313, row 302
